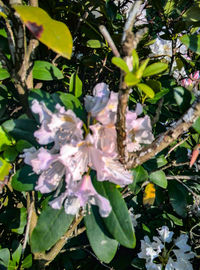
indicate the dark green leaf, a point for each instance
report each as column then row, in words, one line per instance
column 51, row 226
column 100, row 240
column 178, row 198
column 192, row 42
column 24, row 179
column 192, row 14
column 75, row 85
column 22, row 221
column 118, row 223
column 45, row 71
column 10, row 154
column 22, row 144
column 158, row 178
column 140, row 175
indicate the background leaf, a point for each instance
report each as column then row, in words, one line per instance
column 43, row 70
column 158, row 178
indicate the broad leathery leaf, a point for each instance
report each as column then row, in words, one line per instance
column 75, row 85
column 149, row 194
column 43, row 70
column 131, row 80
column 169, row 7
column 4, row 256
column 10, row 154
column 51, row 226
column 192, row 14
column 146, row 89
column 118, row 223
column 120, row 63
column 196, row 125
column 140, row 175
column 192, row 42
column 21, row 222
column 178, row 198
column 24, row 179
column 158, row 178
column 154, row 68
column 17, row 253
column 135, row 60
column 139, row 72
column 103, row 245
column 6, row 139
column 27, row 262
column 4, row 169
column 52, row 33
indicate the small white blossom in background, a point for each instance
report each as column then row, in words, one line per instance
column 134, row 217
column 160, row 255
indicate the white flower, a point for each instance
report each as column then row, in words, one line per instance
column 165, row 234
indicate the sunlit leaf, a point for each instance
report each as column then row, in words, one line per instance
column 139, row 72
column 131, row 79
column 192, row 42
column 52, row 33
column 95, row 44
column 75, row 85
column 120, row 63
column 149, row 194
column 158, row 178
column 4, row 169
column 146, row 89
column 154, row 68
column 135, row 60
column 43, row 70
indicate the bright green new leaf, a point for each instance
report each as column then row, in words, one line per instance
column 75, row 85
column 146, row 89
column 158, row 178
column 52, row 33
column 196, row 125
column 43, row 70
column 95, row 44
column 192, row 42
column 4, row 169
column 154, row 68
column 120, row 63
column 131, row 79
column 139, row 72
column 4, row 74
column 135, row 60
column 6, row 139
column 103, row 245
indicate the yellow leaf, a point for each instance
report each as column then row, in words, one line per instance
column 4, row 169
column 52, row 33
column 149, row 194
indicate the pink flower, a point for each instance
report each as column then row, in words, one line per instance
column 81, row 195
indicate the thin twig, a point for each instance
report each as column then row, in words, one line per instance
column 175, row 146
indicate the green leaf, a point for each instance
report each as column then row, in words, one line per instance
column 22, row 144
column 192, row 14
column 24, row 179
column 140, row 175
column 146, row 89
column 4, row 256
column 192, row 42
column 118, row 223
column 130, row 79
column 178, row 198
column 196, row 125
column 21, row 221
column 4, row 169
column 139, row 72
column 169, row 7
column 177, row 221
column 154, row 68
column 102, row 244
column 120, row 63
column 6, row 139
column 95, row 44
column 45, row 71
column 52, row 33
column 51, row 226
column 4, row 74
column 17, row 254
column 75, row 85
column 21, row 129
column 135, row 60
column 158, row 178
column 27, row 262
column 10, row 154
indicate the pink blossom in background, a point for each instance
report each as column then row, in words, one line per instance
column 191, row 81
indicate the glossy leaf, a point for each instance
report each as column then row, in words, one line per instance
column 52, row 33
column 149, row 194
column 135, row 60
column 192, row 14
column 10, row 154
column 140, row 175
column 146, row 89
column 154, row 69
column 178, row 198
column 4, row 169
column 158, row 178
column 95, row 44
column 27, row 262
column 192, row 42
column 4, row 256
column 22, row 144
column 51, row 226
column 4, row 74
column 139, row 72
column 75, row 85
column 130, row 79
column 45, row 71
column 6, row 139
column 103, row 245
column 21, row 222
column 120, row 63
column 24, row 179
column 118, row 223
column 17, row 254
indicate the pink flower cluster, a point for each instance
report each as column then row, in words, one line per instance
column 190, row 82
column 72, row 155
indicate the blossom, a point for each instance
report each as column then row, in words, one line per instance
column 80, row 195
column 165, row 234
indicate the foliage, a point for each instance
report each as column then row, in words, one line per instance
column 62, row 57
